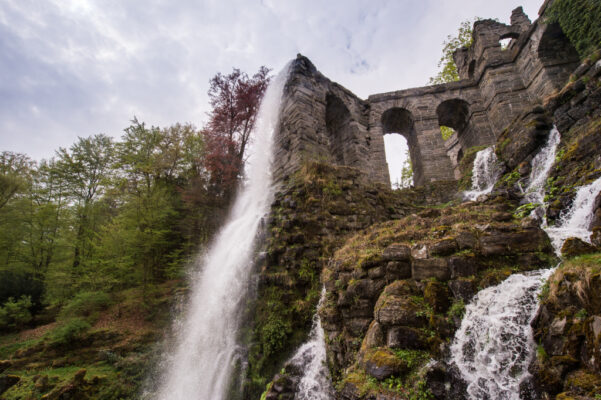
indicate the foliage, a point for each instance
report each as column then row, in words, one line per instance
column 579, row 19
column 85, row 304
column 448, row 72
column 525, row 209
column 14, row 314
column 71, row 331
column 457, row 309
column 235, row 99
column 446, row 132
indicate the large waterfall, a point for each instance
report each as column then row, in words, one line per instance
column 201, row 365
column 315, row 383
column 485, row 174
column 494, row 345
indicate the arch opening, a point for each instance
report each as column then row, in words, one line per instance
column 453, row 116
column 401, row 148
column 338, row 120
column 507, row 39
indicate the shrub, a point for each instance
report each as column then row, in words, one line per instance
column 85, row 304
column 14, row 314
column 71, row 331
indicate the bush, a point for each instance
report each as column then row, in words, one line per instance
column 14, row 314
column 71, row 331
column 85, row 304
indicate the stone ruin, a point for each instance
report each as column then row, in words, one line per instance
column 323, row 121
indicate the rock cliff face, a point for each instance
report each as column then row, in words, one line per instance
column 399, row 266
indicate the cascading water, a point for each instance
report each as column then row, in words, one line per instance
column 201, row 366
column 576, row 221
column 540, row 167
column 315, row 383
column 485, row 174
column 494, row 345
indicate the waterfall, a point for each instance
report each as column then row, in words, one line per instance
column 315, row 384
column 201, row 365
column 485, row 174
column 540, row 167
column 576, row 221
column 493, row 346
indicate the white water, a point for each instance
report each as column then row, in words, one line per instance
column 494, row 345
column 485, row 173
column 311, row 357
column 576, row 221
column 201, row 366
column 540, row 167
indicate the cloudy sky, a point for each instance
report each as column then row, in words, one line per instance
column 73, row 68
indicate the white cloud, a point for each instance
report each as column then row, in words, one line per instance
column 89, row 66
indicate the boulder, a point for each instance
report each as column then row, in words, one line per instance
column 430, row 268
column 398, row 310
column 396, row 252
column 404, row 337
column 575, row 247
column 382, row 364
column 463, row 266
column 443, row 247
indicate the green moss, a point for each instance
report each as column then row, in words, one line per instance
column 579, row 20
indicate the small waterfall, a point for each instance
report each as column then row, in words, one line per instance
column 576, row 221
column 201, row 366
column 315, row 383
column 494, row 345
column 540, row 167
column 485, row 174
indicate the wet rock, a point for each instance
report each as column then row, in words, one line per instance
column 466, row 240
column 575, row 247
column 374, row 336
column 430, row 268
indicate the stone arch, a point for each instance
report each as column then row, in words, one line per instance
column 454, row 113
column 400, row 121
column 554, row 45
column 338, row 126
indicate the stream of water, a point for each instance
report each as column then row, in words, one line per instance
column 485, row 173
column 315, row 383
column 201, row 365
column 494, row 344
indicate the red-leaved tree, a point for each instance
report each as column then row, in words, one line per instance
column 235, row 99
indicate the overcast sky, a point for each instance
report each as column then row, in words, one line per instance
column 73, row 68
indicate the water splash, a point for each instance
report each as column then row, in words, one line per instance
column 576, row 221
column 494, row 345
column 315, row 383
column 207, row 350
column 485, row 174
column 540, row 168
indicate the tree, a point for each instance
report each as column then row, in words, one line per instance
column 15, row 171
column 464, row 38
column 235, row 99
column 448, row 72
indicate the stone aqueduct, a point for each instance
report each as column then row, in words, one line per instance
column 321, row 120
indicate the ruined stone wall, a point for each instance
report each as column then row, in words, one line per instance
column 323, row 121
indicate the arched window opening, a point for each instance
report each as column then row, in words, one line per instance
column 452, row 117
column 400, row 168
column 506, row 39
column 400, row 145
column 338, row 119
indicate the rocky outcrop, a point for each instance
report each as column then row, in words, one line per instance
column 568, row 330
column 395, row 292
